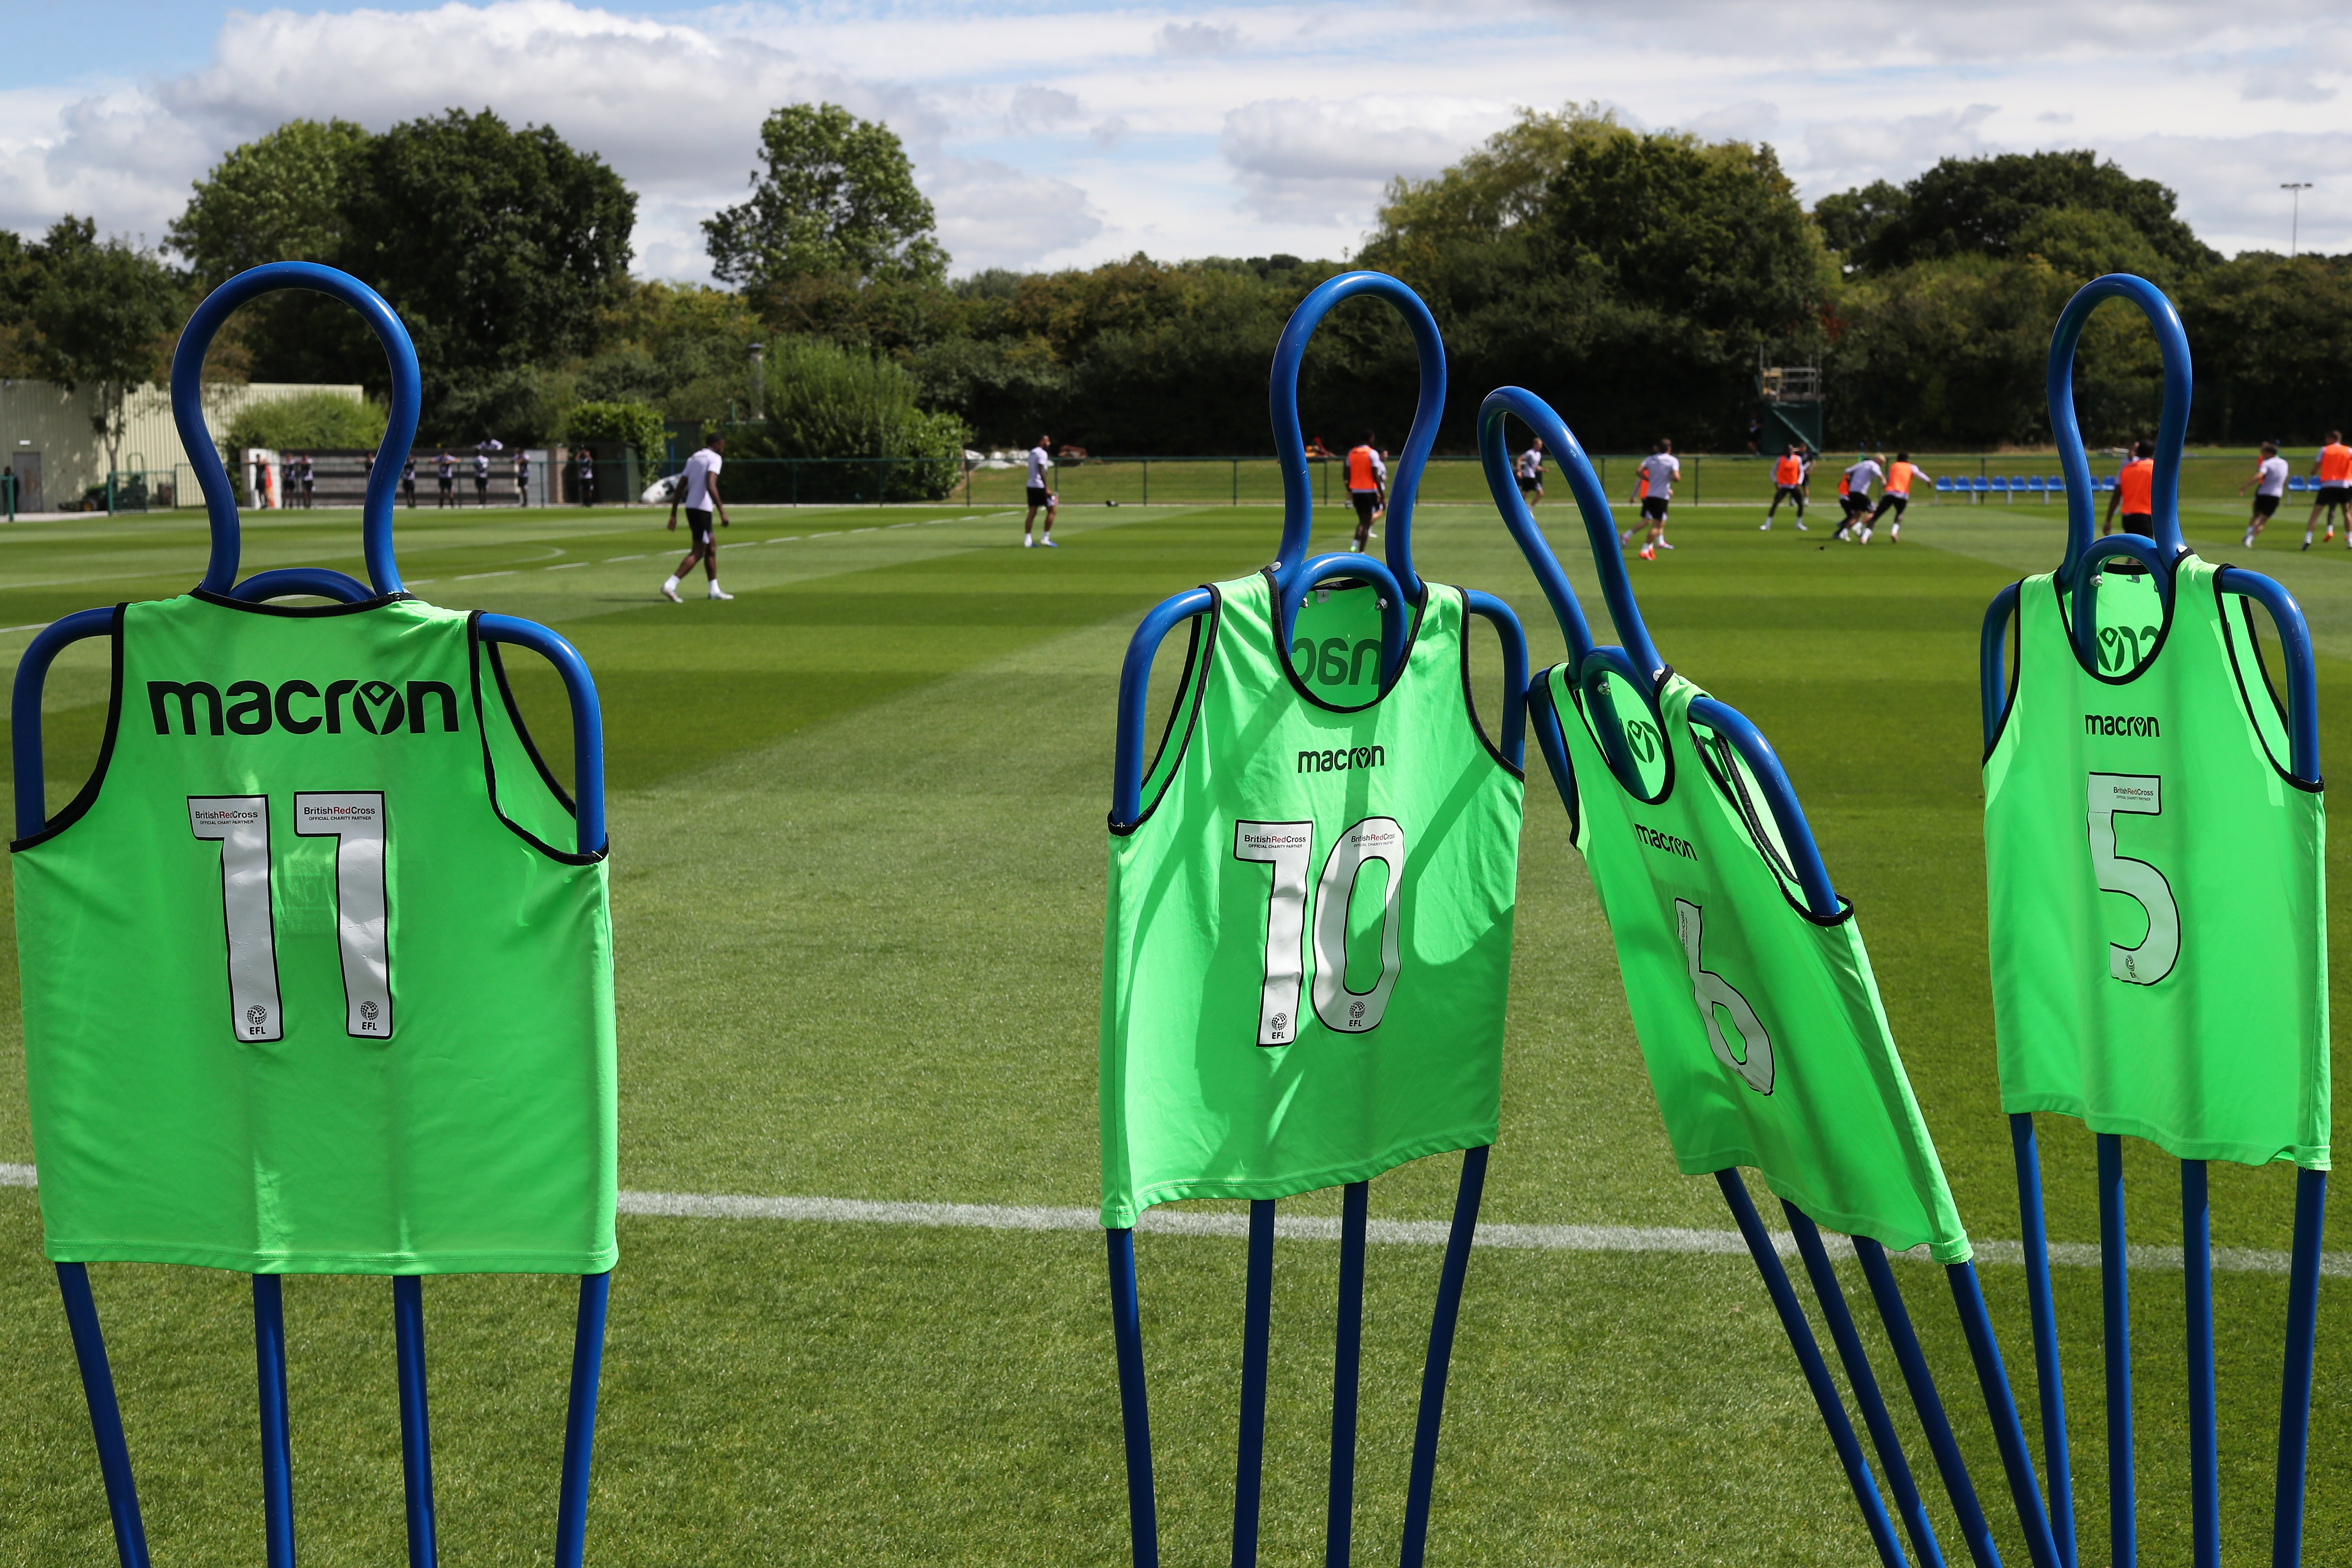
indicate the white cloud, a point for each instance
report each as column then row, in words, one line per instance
column 1317, row 161
column 1193, row 40
column 1752, row 121
column 1045, row 134
column 993, row 215
column 1041, row 105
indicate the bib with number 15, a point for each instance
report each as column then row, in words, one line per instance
column 2157, row 890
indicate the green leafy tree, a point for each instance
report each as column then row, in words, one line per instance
column 1987, row 206
column 500, row 247
column 279, row 197
column 102, row 313
column 2274, row 347
column 838, row 196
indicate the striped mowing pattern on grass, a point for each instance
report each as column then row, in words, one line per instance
column 1325, row 1227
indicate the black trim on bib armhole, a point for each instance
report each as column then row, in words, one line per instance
column 2014, row 636
column 1542, row 711
column 2147, row 660
column 1290, row 672
column 300, row 612
column 1190, row 693
column 474, row 645
column 522, row 731
column 2262, row 676
column 1470, row 697
column 1721, row 765
column 87, row 796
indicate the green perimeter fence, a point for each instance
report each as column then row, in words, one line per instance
column 1710, row 480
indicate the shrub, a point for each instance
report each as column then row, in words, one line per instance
column 635, row 425
column 307, row 421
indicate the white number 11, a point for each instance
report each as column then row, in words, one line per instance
column 356, row 820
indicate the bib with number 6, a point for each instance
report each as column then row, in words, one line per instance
column 1308, row 946
column 314, row 981
column 2157, row 898
column 1760, row 1024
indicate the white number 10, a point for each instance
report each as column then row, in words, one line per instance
column 356, row 820
column 1287, row 847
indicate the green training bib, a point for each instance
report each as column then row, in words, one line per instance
column 314, row 981
column 2157, row 887
column 1760, row 1026
column 1308, row 943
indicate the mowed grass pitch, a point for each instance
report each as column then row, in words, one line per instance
column 858, row 878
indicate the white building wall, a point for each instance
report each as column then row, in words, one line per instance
column 43, row 416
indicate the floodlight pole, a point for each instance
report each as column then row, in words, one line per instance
column 2295, row 213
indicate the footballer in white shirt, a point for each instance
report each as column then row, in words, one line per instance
column 697, row 493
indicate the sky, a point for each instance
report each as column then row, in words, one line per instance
column 1054, row 135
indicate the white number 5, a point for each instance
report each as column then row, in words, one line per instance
column 2138, row 881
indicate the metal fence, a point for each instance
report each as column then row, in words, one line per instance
column 2027, row 478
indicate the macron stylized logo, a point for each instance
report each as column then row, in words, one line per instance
column 2132, row 724
column 1345, row 758
column 297, row 707
column 1667, row 842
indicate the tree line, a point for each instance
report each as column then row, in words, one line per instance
column 1637, row 280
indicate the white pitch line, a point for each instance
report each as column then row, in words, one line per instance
column 1393, row 1232
column 1386, row 1232
column 477, row 576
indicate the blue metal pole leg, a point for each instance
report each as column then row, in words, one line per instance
column 106, row 1415
column 579, row 1419
column 1817, row 1372
column 2057, row 1459
column 1424, row 1477
column 415, row 1431
column 2294, row 1395
column 1347, row 1358
column 2204, row 1440
column 1134, row 1410
column 1257, row 1313
column 276, row 1440
column 1863, row 1380
column 2115, row 1281
column 2001, row 1405
column 1895, row 1318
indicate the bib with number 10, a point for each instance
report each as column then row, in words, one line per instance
column 2158, row 895
column 314, row 981
column 1308, row 946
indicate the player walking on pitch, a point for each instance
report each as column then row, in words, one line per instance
column 2134, row 485
column 1789, row 485
column 2334, row 472
column 697, row 491
column 1041, row 494
column 1529, row 471
column 1660, row 469
column 2270, row 484
column 1368, row 486
column 1895, row 497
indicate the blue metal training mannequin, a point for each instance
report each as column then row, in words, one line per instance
column 1638, row 663
column 588, row 758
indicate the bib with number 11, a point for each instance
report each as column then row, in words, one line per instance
column 314, row 981
column 2158, row 897
column 1309, row 944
